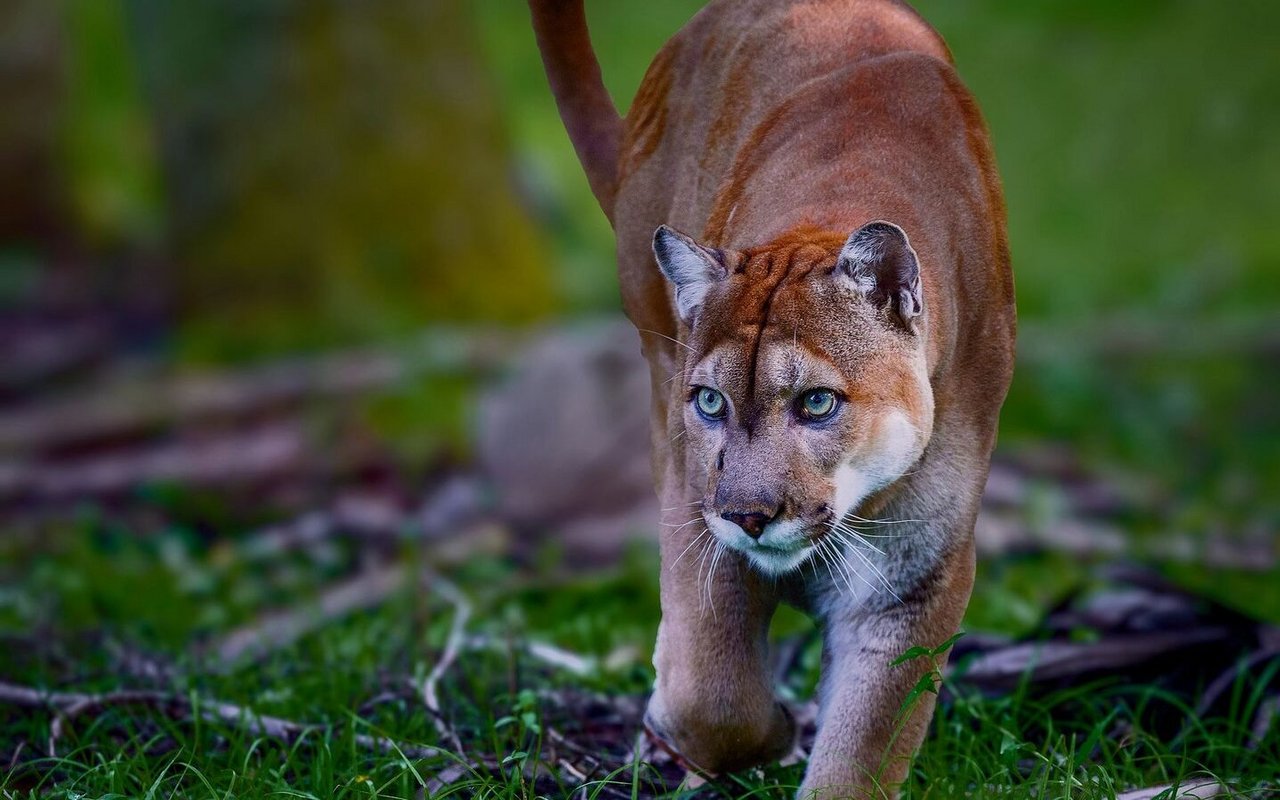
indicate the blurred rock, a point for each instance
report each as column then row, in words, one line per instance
column 565, row 440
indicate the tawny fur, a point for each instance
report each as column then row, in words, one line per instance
column 769, row 131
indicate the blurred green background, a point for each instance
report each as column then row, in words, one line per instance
column 313, row 174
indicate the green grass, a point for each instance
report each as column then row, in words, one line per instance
column 92, row 592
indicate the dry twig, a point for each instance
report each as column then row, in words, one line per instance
column 549, row 654
column 452, row 646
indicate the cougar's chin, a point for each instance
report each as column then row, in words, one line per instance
column 774, row 562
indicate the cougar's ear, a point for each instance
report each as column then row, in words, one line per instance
column 880, row 262
column 690, row 267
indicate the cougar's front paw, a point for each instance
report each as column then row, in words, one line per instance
column 718, row 740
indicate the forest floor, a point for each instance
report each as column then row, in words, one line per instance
column 234, row 584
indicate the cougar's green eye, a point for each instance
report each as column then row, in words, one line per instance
column 817, row 404
column 710, row 402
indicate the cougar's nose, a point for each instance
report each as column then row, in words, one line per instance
column 752, row 522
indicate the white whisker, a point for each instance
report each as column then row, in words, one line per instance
column 883, row 521
column 866, row 534
column 848, row 568
column 874, row 569
column 688, row 547
column 686, row 505
column 715, row 561
column 702, row 560
column 821, row 549
column 668, row 338
column 855, row 536
column 678, row 527
column 678, row 374
column 827, row 554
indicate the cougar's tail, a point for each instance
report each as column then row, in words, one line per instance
column 574, row 74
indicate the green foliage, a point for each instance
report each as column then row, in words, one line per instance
column 1132, row 140
column 932, row 653
column 1253, row 592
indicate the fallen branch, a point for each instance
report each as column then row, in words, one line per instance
column 1196, row 790
column 1231, row 676
column 282, row 628
column 1001, row 670
column 279, row 629
column 450, row 775
column 449, row 508
column 68, row 705
column 130, row 406
column 237, row 458
column 35, row 353
column 17, row 754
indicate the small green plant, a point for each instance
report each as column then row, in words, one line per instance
column 928, row 684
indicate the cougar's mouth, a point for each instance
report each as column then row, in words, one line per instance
column 783, row 547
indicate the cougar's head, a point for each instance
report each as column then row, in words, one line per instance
column 805, row 389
